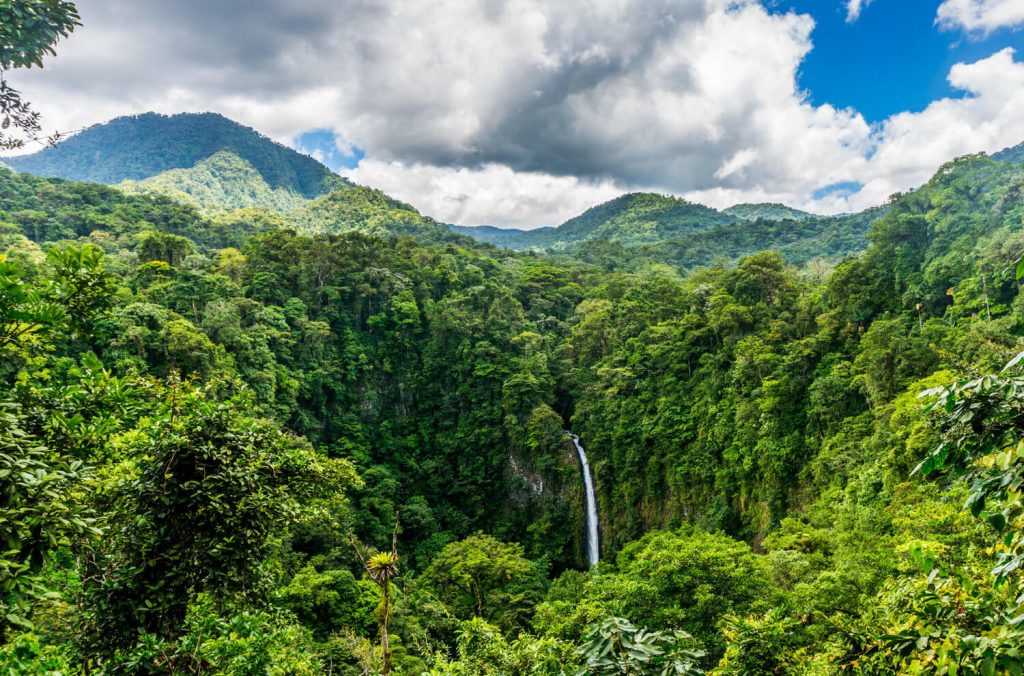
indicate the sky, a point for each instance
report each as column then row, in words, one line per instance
column 523, row 113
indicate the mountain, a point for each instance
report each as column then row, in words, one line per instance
column 218, row 166
column 635, row 229
column 798, row 240
column 356, row 207
column 140, row 147
column 767, row 212
column 631, row 220
column 506, row 237
column 1014, row 155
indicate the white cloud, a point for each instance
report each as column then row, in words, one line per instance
column 854, row 8
column 522, row 112
column 911, row 146
column 980, row 16
column 488, row 195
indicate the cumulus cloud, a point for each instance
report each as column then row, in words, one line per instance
column 480, row 195
column 519, row 112
column 854, row 8
column 989, row 117
column 980, row 16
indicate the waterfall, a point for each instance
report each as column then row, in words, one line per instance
column 593, row 549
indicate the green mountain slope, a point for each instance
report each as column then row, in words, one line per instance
column 1014, row 155
column 218, row 166
column 633, row 230
column 634, row 219
column 828, row 237
column 220, row 182
column 767, row 212
column 631, row 220
column 356, row 207
column 142, row 146
column 506, row 237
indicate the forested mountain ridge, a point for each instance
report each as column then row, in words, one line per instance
column 142, row 146
column 217, row 165
column 632, row 219
column 213, row 422
column 640, row 227
column 766, row 211
column 489, row 234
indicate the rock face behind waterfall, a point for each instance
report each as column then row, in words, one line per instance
column 540, row 486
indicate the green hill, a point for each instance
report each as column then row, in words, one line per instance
column 767, row 212
column 631, row 220
column 633, row 230
column 222, row 181
column 506, row 237
column 1014, row 155
column 827, row 237
column 356, row 207
column 217, row 166
column 142, row 146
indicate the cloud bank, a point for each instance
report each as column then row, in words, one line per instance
column 980, row 16
column 523, row 112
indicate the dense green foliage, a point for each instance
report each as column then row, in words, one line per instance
column 631, row 220
column 210, row 424
column 767, row 212
column 637, row 218
column 632, row 231
column 488, row 234
column 221, row 182
column 823, row 240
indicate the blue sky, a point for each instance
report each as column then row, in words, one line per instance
column 324, row 145
column 892, row 58
column 526, row 113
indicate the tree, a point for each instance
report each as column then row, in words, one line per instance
column 382, row 567
column 206, row 493
column 29, row 29
column 38, row 513
column 484, row 577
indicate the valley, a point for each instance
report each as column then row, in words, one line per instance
column 243, row 379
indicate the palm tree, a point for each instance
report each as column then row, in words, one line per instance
column 382, row 567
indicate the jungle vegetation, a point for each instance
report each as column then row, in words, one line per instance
column 328, row 436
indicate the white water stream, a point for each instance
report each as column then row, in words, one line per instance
column 593, row 545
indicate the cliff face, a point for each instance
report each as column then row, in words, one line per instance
column 547, row 493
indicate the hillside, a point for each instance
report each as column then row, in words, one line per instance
column 631, row 220
column 639, row 228
column 217, row 166
column 370, row 211
column 142, row 146
column 799, row 241
column 506, row 237
column 766, row 212
column 221, row 182
column 1014, row 155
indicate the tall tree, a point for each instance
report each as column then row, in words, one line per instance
column 29, row 29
